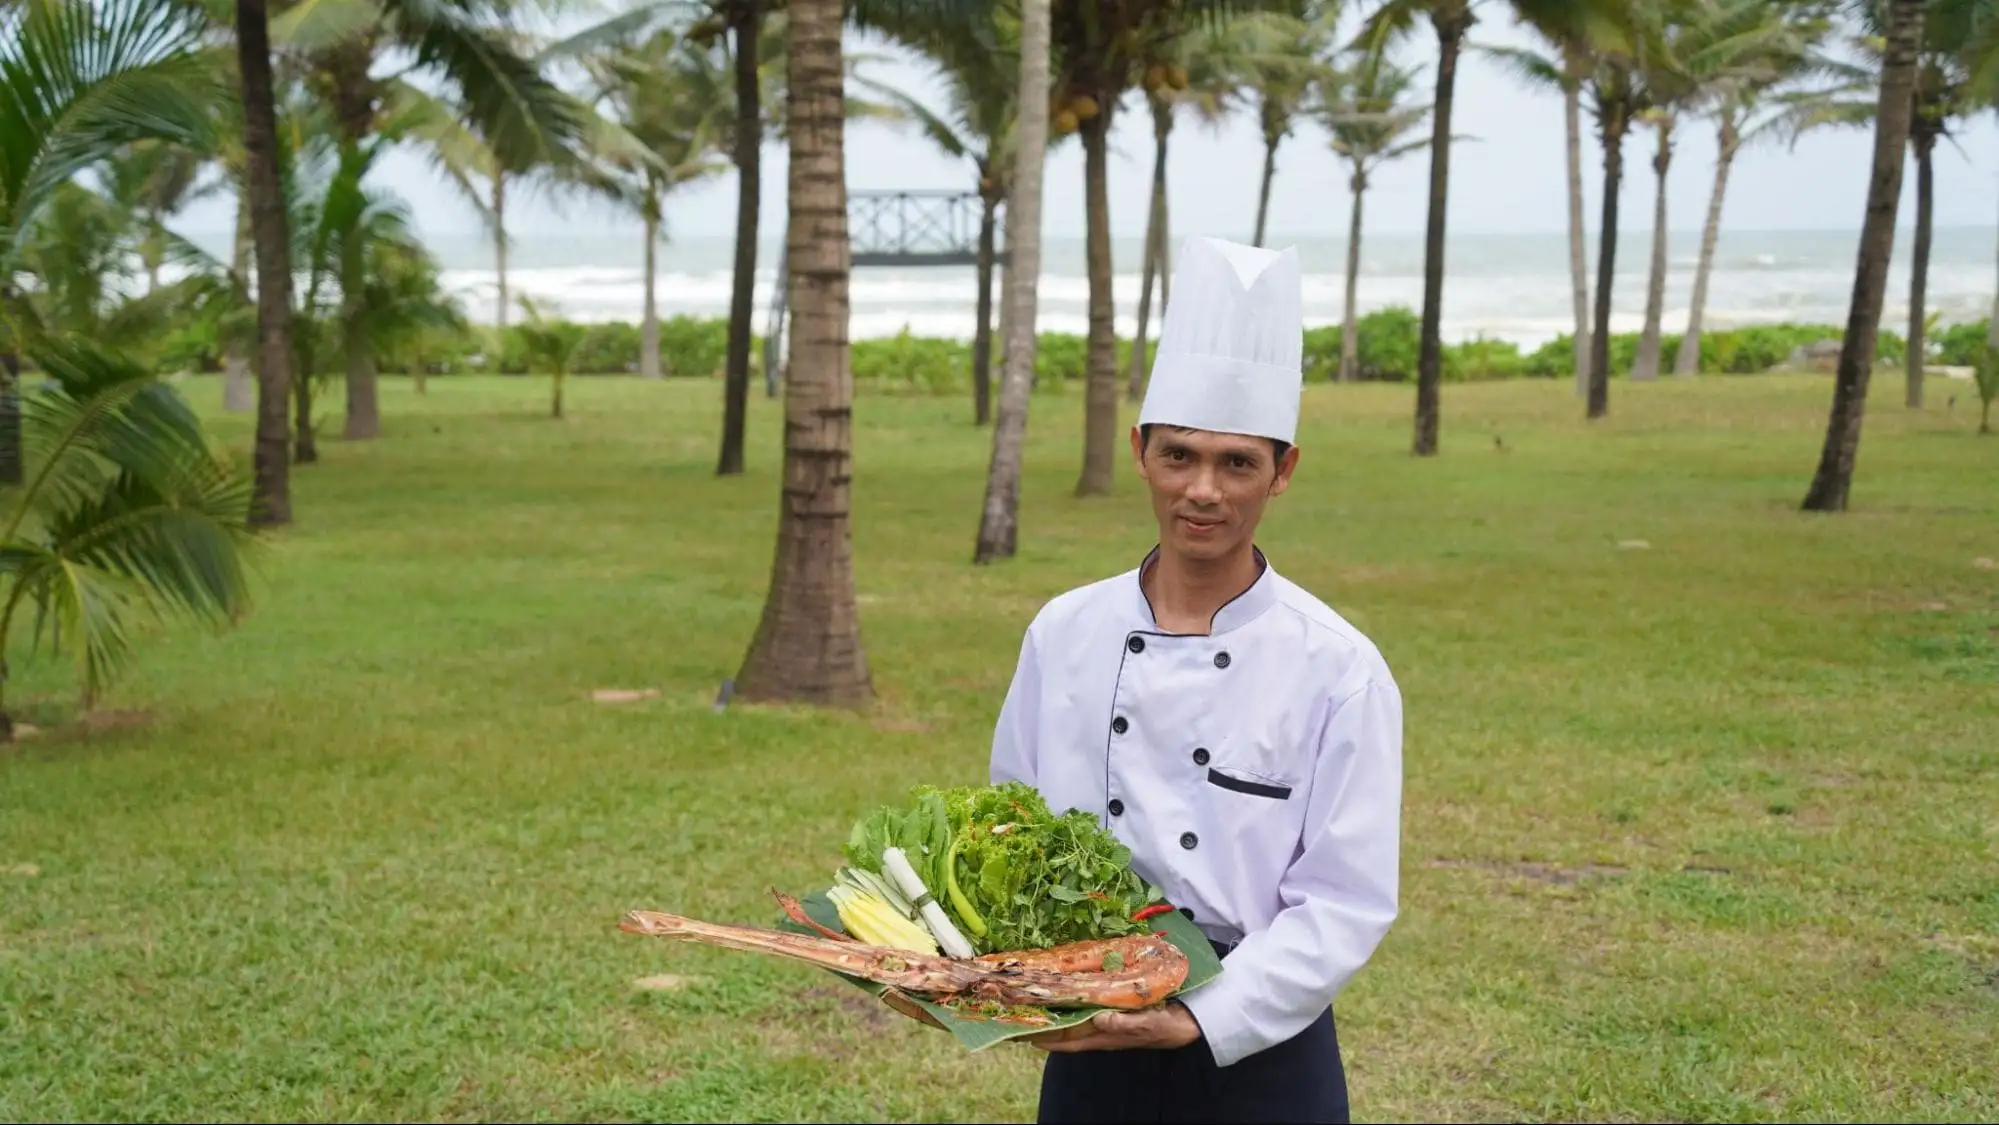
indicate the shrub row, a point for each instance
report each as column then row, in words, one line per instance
column 1388, row 345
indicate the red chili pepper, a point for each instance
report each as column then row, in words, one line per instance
column 1153, row 911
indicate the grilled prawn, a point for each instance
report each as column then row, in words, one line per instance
column 1127, row 973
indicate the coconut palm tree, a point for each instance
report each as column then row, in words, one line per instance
column 1212, row 71
column 1628, row 70
column 1364, row 110
column 272, row 237
column 151, row 181
column 1452, row 21
column 1560, row 66
column 77, row 83
column 1707, row 46
column 73, row 258
column 1748, row 109
column 551, row 346
column 128, row 514
column 1278, row 75
column 468, row 47
column 670, row 96
column 999, row 514
column 1944, row 83
column 1100, row 53
column 977, row 65
column 807, row 645
column 125, row 512
column 1833, row 480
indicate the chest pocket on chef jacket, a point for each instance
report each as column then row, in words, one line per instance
column 1263, row 759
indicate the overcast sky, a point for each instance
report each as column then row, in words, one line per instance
column 1508, row 179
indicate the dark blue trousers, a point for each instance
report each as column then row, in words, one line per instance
column 1301, row 1080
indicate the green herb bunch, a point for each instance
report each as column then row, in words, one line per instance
column 1011, row 873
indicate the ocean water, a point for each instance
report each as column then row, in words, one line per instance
column 1511, row 287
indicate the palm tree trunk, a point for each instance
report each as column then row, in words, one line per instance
column 364, row 419
column 1100, row 404
column 500, row 246
column 364, row 415
column 1645, row 365
column 1451, row 22
column 1155, row 237
column 305, row 446
column 1005, row 332
column 999, row 514
column 808, row 644
column 1350, row 326
column 1728, row 141
column 1614, row 125
column 1919, row 262
column 238, row 391
column 270, row 503
column 649, row 325
column 1263, row 190
column 1572, row 96
column 11, row 459
column 742, row 299
column 1833, row 479
column 555, row 399
column 982, row 336
column 1992, row 324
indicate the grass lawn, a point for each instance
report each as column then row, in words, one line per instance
column 1703, row 829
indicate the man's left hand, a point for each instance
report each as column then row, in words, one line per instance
column 1162, row 1028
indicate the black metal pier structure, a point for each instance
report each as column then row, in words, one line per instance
column 922, row 228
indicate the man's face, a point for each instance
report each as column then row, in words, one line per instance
column 1209, row 489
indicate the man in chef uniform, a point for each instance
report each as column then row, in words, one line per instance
column 1243, row 739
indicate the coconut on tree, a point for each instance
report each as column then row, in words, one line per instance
column 1214, row 71
column 1100, row 53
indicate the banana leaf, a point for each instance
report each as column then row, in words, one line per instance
column 978, row 1033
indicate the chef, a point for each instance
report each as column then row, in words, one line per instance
column 1242, row 738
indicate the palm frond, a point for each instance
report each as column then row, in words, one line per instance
column 942, row 133
column 128, row 512
column 78, row 81
column 310, row 26
column 525, row 118
column 643, row 19
column 1528, row 66
column 1391, row 23
column 451, row 149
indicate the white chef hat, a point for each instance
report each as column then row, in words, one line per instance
column 1232, row 345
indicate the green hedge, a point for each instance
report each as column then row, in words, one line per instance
column 696, row 347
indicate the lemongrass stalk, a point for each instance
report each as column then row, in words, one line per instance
column 949, row 939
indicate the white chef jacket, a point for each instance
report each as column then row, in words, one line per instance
column 1255, row 773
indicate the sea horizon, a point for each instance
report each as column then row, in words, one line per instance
column 1511, row 286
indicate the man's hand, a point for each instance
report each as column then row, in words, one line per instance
column 1162, row 1028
